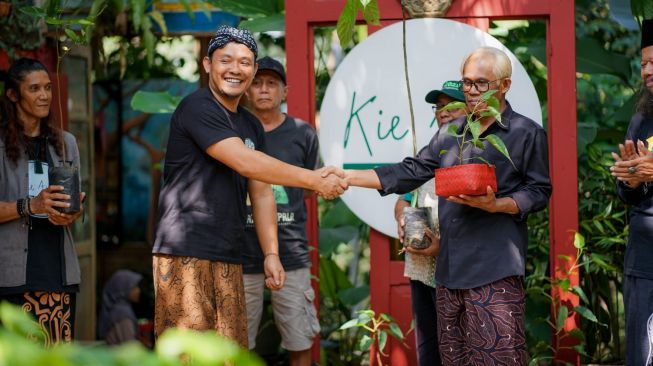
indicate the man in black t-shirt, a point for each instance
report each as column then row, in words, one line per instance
column 213, row 148
column 295, row 142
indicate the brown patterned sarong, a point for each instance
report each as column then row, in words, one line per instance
column 483, row 326
column 53, row 311
column 199, row 294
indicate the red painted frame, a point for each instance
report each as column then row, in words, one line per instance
column 302, row 15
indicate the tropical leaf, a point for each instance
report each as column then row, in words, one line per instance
column 578, row 334
column 563, row 314
column 157, row 16
column 353, row 296
column 383, row 339
column 346, row 22
column 452, row 130
column 275, row 22
column 189, row 9
column 592, row 58
column 34, row 11
column 586, row 313
column 349, row 324
column 371, row 12
column 137, row 8
column 500, row 146
column 154, row 102
column 453, row 105
column 475, row 129
column 579, row 240
column 247, row 9
column 395, row 331
column 579, row 291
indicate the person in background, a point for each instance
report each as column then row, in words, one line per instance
column 634, row 172
column 214, row 160
column 293, row 141
column 420, row 263
column 38, row 265
column 117, row 322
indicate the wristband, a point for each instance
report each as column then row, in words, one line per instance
column 20, row 207
column 408, row 197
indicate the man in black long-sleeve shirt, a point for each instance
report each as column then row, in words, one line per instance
column 634, row 171
column 483, row 239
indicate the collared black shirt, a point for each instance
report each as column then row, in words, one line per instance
column 479, row 247
column 638, row 259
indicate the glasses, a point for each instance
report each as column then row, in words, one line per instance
column 437, row 107
column 481, row 86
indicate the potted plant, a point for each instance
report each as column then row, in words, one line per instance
column 472, row 179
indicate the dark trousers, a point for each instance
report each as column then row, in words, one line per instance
column 638, row 303
column 426, row 324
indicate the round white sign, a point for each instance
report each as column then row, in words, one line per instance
column 365, row 118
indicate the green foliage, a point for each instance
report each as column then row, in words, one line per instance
column 347, row 20
column 21, row 344
column 473, row 126
column 154, row 102
column 257, row 15
column 376, row 330
column 19, row 30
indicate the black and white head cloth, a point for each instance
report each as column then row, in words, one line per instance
column 226, row 34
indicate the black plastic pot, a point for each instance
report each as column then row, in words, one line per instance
column 416, row 220
column 68, row 177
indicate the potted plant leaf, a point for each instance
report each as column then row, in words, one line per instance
column 472, row 178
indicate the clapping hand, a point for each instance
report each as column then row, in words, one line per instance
column 332, row 182
column 633, row 166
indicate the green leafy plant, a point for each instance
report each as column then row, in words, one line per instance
column 21, row 344
column 347, row 20
column 19, row 31
column 473, row 126
column 376, row 330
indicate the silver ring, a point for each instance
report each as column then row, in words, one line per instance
column 632, row 170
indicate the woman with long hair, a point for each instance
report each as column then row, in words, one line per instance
column 39, row 270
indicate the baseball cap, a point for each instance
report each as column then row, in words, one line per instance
column 647, row 33
column 268, row 63
column 450, row 88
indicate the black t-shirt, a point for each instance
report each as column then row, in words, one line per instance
column 202, row 202
column 293, row 142
column 45, row 255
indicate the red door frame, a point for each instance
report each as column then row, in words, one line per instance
column 302, row 15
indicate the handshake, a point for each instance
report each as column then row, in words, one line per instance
column 330, row 182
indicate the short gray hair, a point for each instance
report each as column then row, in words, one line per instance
column 502, row 65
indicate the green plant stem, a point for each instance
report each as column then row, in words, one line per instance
column 410, row 99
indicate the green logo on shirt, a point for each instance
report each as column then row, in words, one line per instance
column 280, row 195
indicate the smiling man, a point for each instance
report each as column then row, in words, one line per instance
column 483, row 239
column 213, row 160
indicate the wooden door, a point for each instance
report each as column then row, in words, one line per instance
column 76, row 66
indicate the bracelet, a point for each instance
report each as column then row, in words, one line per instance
column 269, row 254
column 408, row 196
column 27, row 204
column 20, row 207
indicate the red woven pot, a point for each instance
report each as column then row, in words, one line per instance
column 469, row 179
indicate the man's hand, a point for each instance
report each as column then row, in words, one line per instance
column 48, row 200
column 631, row 166
column 67, row 219
column 399, row 216
column 487, row 202
column 275, row 276
column 432, row 250
column 331, row 183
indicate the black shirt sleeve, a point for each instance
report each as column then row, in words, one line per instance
column 536, row 190
column 206, row 123
column 411, row 172
column 312, row 160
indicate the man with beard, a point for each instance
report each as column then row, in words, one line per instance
column 634, row 171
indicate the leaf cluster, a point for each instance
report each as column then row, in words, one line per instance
column 22, row 344
column 347, row 20
column 473, row 127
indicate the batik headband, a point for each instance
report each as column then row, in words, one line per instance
column 226, row 34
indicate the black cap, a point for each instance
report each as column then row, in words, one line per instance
column 647, row 33
column 268, row 63
column 450, row 88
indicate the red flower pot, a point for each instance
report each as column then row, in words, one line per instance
column 469, row 179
